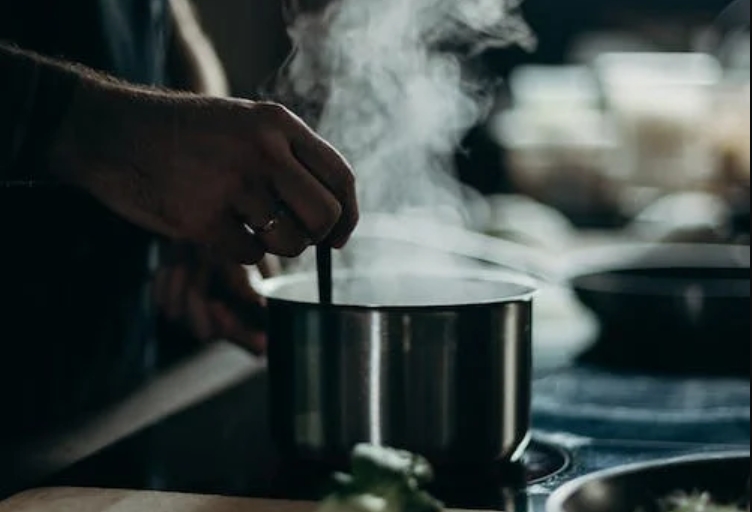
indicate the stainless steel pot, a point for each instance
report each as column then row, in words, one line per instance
column 436, row 364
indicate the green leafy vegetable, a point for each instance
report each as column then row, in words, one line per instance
column 383, row 480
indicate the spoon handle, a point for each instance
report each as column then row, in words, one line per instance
column 324, row 271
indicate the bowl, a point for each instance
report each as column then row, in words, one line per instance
column 669, row 307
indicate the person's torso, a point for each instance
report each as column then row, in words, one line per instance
column 76, row 327
column 125, row 38
column 137, row 35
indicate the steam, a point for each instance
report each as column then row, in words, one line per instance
column 387, row 86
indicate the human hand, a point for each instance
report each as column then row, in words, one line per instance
column 242, row 179
column 212, row 299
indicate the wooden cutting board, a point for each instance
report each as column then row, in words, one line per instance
column 103, row 500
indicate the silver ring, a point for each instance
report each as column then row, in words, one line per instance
column 272, row 223
column 269, row 226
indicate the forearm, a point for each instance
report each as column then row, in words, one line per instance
column 193, row 63
column 35, row 93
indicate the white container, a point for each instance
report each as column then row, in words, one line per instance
column 554, row 87
column 661, row 104
column 562, row 158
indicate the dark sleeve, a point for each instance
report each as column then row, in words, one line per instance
column 34, row 96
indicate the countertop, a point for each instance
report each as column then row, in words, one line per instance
column 211, row 371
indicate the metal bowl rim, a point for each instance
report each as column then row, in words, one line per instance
column 588, row 266
column 559, row 498
column 630, row 255
column 623, row 286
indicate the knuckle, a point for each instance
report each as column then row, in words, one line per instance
column 344, row 183
column 349, row 181
column 345, row 187
column 274, row 111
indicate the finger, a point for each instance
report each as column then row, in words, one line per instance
column 254, row 342
column 255, row 204
column 331, row 168
column 286, row 239
column 233, row 330
column 238, row 283
column 273, row 225
column 233, row 290
column 313, row 205
column 199, row 317
column 234, row 242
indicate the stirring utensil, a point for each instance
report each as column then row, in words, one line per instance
column 324, row 273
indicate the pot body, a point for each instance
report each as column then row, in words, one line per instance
column 450, row 383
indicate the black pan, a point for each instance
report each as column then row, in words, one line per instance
column 643, row 487
column 670, row 308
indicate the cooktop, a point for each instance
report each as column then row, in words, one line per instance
column 585, row 420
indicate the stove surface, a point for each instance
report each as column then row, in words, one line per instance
column 594, row 403
column 585, row 421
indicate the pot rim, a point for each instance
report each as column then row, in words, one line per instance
column 527, row 290
column 558, row 500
